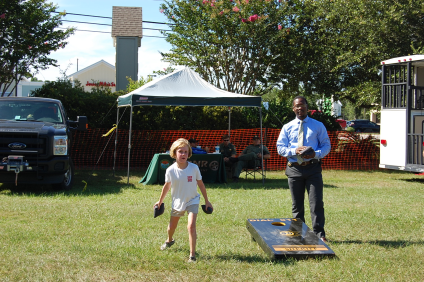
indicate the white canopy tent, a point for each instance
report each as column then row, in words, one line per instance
column 182, row 88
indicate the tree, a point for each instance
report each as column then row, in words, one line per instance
column 78, row 102
column 227, row 43
column 314, row 48
column 28, row 35
column 163, row 72
column 135, row 84
column 352, row 37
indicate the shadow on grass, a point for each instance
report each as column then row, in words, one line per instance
column 183, row 250
column 396, row 244
column 86, row 182
column 383, row 243
column 257, row 184
column 253, row 259
column 251, row 184
column 417, row 180
column 101, row 182
column 288, row 261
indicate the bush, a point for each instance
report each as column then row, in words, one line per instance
column 328, row 120
column 94, row 105
column 100, row 107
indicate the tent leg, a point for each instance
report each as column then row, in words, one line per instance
column 229, row 122
column 116, row 140
column 129, row 147
column 262, row 140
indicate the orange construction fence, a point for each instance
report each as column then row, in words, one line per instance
column 349, row 151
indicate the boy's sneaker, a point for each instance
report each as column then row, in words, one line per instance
column 192, row 259
column 167, row 245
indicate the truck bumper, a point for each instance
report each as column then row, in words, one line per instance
column 31, row 178
column 43, row 172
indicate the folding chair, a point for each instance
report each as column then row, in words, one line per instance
column 253, row 170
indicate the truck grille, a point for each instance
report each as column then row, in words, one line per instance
column 36, row 146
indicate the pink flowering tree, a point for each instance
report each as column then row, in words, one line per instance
column 28, row 35
column 229, row 43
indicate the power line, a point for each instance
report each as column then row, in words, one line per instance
column 111, row 25
column 85, row 22
column 66, row 13
column 109, row 32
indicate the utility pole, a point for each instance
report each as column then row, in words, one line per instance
column 16, row 81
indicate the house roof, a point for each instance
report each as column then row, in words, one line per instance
column 101, row 62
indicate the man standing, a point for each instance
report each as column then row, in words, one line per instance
column 251, row 156
column 304, row 171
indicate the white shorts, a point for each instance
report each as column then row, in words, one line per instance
column 189, row 209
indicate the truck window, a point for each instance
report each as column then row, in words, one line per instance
column 31, row 111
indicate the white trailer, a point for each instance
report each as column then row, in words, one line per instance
column 402, row 114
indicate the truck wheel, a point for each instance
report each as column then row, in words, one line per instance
column 68, row 181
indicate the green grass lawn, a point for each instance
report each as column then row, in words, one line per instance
column 106, row 231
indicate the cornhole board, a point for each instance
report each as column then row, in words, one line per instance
column 287, row 237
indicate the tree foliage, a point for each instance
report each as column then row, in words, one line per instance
column 227, row 43
column 78, row 102
column 135, row 84
column 313, row 48
column 356, row 35
column 28, row 35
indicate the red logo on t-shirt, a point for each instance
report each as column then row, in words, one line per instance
column 189, row 178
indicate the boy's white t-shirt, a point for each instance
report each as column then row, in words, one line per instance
column 183, row 185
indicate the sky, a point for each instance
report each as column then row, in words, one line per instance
column 86, row 48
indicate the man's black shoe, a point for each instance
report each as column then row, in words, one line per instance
column 235, row 179
column 233, row 160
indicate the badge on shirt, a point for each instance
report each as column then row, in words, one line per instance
column 189, row 178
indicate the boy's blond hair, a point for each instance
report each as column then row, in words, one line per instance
column 179, row 144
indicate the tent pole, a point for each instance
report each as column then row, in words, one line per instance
column 129, row 146
column 262, row 147
column 229, row 122
column 116, row 140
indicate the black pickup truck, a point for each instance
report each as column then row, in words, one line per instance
column 35, row 142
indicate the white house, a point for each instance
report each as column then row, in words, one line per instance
column 101, row 73
column 24, row 88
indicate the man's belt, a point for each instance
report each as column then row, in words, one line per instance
column 313, row 161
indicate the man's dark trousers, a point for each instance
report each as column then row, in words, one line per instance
column 309, row 177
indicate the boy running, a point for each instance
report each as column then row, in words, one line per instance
column 183, row 177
